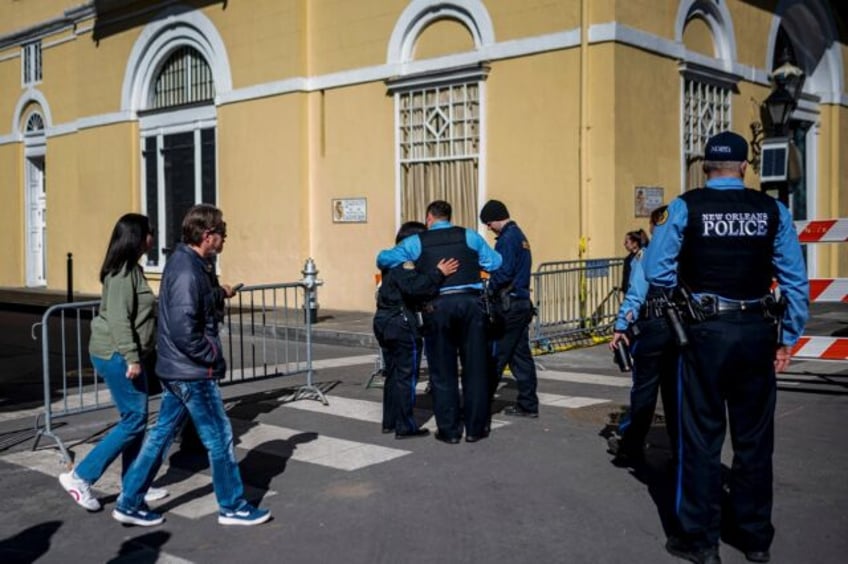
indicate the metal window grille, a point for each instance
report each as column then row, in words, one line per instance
column 706, row 111
column 439, row 137
column 35, row 123
column 185, row 78
column 31, row 62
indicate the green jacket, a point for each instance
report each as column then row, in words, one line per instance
column 126, row 323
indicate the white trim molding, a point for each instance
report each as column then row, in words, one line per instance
column 421, row 13
column 717, row 17
column 29, row 95
column 177, row 26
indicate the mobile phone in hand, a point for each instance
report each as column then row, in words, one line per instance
column 238, row 286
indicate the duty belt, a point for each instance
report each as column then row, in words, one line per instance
column 711, row 304
column 455, row 291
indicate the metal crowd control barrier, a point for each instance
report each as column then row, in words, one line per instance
column 267, row 333
column 833, row 290
column 576, row 302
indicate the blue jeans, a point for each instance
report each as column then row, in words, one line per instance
column 200, row 400
column 130, row 397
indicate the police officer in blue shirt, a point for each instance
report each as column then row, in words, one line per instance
column 655, row 361
column 454, row 322
column 509, row 288
column 724, row 244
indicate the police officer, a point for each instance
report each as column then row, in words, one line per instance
column 402, row 291
column 509, row 288
column 724, row 244
column 655, row 360
column 454, row 321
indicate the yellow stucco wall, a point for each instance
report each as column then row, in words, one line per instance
column 262, row 189
column 647, row 138
column 11, row 216
column 648, row 15
column 352, row 155
column 265, row 39
column 90, row 180
column 698, row 37
column 442, row 38
column 751, row 25
column 528, row 18
column 15, row 17
column 532, row 157
column 345, row 35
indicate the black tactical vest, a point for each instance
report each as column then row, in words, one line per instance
column 728, row 243
column 437, row 244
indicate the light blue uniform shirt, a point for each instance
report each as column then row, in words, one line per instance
column 637, row 290
column 660, row 265
column 410, row 249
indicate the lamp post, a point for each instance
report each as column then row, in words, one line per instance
column 778, row 148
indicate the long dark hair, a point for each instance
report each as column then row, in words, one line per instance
column 126, row 245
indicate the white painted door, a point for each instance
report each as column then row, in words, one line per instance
column 36, row 219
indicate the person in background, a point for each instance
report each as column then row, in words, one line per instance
column 454, row 320
column 396, row 325
column 190, row 362
column 655, row 359
column 509, row 288
column 122, row 349
column 634, row 241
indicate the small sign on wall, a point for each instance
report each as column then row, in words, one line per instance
column 647, row 199
column 350, row 210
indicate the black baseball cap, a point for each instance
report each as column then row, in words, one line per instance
column 726, row 146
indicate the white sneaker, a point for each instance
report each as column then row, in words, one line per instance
column 155, row 494
column 80, row 490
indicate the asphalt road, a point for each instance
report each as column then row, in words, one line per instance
column 340, row 491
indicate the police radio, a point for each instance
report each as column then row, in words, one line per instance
column 621, row 355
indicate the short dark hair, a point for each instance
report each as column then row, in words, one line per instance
column 200, row 219
column 409, row 228
column 657, row 214
column 126, row 244
column 440, row 209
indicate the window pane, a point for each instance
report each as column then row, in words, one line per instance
column 151, row 189
column 207, row 165
column 178, row 156
column 185, row 78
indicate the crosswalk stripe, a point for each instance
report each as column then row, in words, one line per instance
column 363, row 410
column 340, row 454
column 571, row 402
column 582, row 378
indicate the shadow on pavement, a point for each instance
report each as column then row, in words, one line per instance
column 29, row 545
column 144, row 549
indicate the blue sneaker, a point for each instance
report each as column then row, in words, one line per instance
column 247, row 515
column 142, row 517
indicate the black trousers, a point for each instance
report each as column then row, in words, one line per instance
column 728, row 367
column 455, row 331
column 401, row 348
column 655, row 366
column 512, row 347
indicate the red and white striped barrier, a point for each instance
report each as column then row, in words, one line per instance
column 831, row 290
column 821, row 348
column 822, row 230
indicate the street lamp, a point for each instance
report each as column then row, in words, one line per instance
column 777, row 149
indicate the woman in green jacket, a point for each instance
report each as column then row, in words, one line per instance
column 123, row 337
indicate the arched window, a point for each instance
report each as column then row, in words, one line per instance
column 440, row 109
column 178, row 145
column 34, row 124
column 185, row 78
column 706, row 32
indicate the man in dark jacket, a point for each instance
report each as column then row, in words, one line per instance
column 509, row 288
column 190, row 362
column 402, row 292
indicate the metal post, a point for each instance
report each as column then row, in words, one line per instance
column 70, row 282
column 310, row 283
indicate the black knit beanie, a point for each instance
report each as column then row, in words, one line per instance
column 494, row 210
